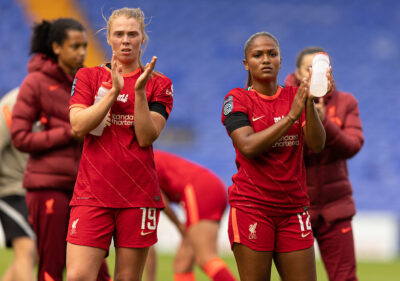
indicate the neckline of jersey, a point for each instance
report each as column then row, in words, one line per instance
column 133, row 73
column 274, row 96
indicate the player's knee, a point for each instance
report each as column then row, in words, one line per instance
column 76, row 275
column 24, row 249
column 202, row 260
column 127, row 277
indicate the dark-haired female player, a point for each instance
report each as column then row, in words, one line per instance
column 268, row 123
column 40, row 126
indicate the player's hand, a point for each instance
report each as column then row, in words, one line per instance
column 331, row 81
column 321, row 109
column 76, row 137
column 144, row 77
column 116, row 74
column 108, row 119
column 299, row 100
column 182, row 229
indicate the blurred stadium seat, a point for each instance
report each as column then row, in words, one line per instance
column 200, row 47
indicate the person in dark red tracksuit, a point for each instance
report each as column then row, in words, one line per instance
column 40, row 126
column 328, row 184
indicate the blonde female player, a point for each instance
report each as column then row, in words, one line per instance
column 116, row 193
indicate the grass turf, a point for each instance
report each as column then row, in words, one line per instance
column 366, row 271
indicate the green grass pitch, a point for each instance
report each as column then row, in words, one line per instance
column 367, row 271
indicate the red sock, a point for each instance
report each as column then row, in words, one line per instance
column 188, row 276
column 47, row 277
column 217, row 270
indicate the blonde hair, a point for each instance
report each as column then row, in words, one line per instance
column 137, row 14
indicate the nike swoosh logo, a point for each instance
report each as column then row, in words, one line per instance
column 53, row 87
column 305, row 235
column 345, row 230
column 255, row 119
column 145, row 233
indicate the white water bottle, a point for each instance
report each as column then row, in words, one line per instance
column 319, row 81
column 102, row 92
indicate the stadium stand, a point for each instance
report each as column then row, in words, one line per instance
column 200, row 46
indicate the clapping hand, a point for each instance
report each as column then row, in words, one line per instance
column 144, row 77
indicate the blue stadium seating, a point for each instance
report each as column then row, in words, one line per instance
column 200, row 47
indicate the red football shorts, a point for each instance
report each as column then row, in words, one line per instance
column 262, row 233
column 204, row 199
column 130, row 227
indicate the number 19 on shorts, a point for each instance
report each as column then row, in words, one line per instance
column 149, row 220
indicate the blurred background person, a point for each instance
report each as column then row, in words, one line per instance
column 14, row 225
column 202, row 195
column 40, row 126
column 328, row 185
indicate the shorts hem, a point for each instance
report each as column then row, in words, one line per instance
column 297, row 249
column 137, row 246
column 89, row 245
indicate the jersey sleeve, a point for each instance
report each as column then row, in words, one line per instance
column 163, row 92
column 82, row 93
column 234, row 102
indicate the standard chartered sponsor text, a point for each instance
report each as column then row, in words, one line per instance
column 287, row 140
column 122, row 119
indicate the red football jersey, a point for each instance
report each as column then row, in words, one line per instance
column 275, row 179
column 114, row 171
column 175, row 173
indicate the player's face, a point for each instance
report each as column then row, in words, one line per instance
column 305, row 66
column 72, row 52
column 125, row 39
column 263, row 59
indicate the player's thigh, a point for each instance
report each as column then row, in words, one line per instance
column 129, row 263
column 297, row 265
column 252, row 265
column 184, row 257
column 203, row 236
column 83, row 262
column 24, row 247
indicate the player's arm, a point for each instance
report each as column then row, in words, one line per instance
column 5, row 115
column 251, row 143
column 345, row 137
column 313, row 130
column 148, row 124
column 25, row 113
column 171, row 215
column 83, row 120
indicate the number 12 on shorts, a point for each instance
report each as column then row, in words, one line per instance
column 304, row 220
column 149, row 219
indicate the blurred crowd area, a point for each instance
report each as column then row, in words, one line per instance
column 200, row 47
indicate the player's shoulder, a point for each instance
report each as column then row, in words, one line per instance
column 346, row 95
column 91, row 71
column 161, row 78
column 289, row 89
column 238, row 92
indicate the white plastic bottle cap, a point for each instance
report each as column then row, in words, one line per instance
column 106, row 85
column 321, row 56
